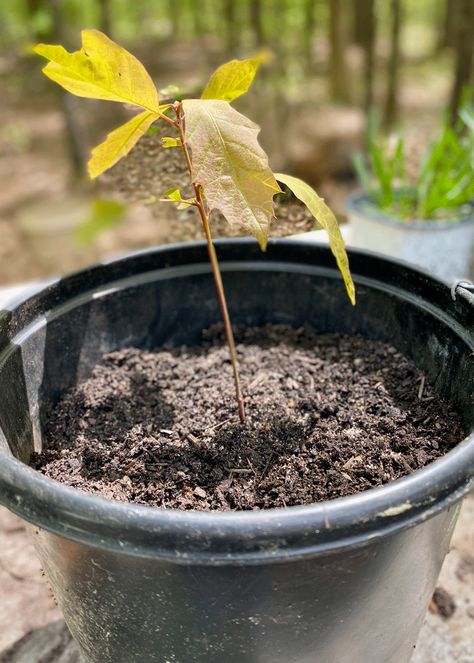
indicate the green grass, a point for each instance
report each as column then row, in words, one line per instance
column 444, row 185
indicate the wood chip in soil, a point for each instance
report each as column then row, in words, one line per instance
column 327, row 416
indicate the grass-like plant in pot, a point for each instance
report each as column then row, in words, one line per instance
column 279, row 541
column 427, row 219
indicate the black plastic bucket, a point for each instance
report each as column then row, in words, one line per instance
column 341, row 581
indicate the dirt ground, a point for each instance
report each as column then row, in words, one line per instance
column 451, row 640
column 26, row 601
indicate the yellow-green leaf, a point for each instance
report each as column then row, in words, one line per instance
column 230, row 165
column 232, row 79
column 325, row 217
column 168, row 141
column 104, row 214
column 118, row 143
column 174, row 195
column 100, row 70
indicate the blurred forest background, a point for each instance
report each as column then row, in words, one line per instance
column 333, row 63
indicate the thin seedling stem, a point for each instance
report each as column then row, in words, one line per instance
column 216, row 272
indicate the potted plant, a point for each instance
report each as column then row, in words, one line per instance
column 218, row 573
column 428, row 221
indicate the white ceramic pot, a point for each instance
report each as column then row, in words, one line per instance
column 444, row 248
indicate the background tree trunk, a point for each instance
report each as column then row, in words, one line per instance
column 174, row 17
column 76, row 140
column 358, row 21
column 391, row 101
column 256, row 22
column 199, row 16
column 105, row 17
column 309, row 15
column 279, row 40
column 367, row 7
column 464, row 53
column 338, row 78
column 231, row 30
column 447, row 24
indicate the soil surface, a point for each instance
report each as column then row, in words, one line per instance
column 327, row 416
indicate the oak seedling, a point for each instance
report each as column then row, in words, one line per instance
column 228, row 169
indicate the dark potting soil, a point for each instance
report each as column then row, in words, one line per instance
column 327, row 416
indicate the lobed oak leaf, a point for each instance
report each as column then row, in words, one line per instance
column 230, row 165
column 100, row 70
column 325, row 217
column 232, row 79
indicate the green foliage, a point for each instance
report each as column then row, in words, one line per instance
column 104, row 215
column 444, row 185
column 174, row 196
column 169, row 141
